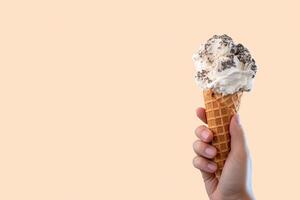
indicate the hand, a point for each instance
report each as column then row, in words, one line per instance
column 235, row 181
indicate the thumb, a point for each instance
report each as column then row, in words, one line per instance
column 238, row 140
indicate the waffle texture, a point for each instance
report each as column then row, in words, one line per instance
column 219, row 110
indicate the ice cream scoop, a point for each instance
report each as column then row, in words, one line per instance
column 223, row 66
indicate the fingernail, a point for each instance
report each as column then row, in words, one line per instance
column 211, row 166
column 205, row 134
column 210, row 151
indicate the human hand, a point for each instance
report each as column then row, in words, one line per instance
column 235, row 182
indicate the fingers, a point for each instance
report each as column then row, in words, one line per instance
column 204, row 164
column 205, row 150
column 204, row 134
column 201, row 114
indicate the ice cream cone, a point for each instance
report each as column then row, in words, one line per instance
column 219, row 110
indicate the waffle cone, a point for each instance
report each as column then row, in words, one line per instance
column 219, row 110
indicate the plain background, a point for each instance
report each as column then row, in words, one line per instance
column 98, row 98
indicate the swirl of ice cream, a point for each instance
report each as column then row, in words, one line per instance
column 224, row 66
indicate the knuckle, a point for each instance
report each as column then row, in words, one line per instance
column 199, row 129
column 202, row 127
column 196, row 145
column 202, row 163
column 199, row 162
column 199, row 147
column 196, row 162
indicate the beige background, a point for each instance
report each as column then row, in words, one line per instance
column 98, row 99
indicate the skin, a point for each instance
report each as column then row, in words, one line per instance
column 235, row 182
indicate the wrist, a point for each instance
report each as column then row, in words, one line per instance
column 242, row 196
column 245, row 196
column 248, row 197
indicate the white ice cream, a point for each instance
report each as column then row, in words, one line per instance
column 224, row 66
